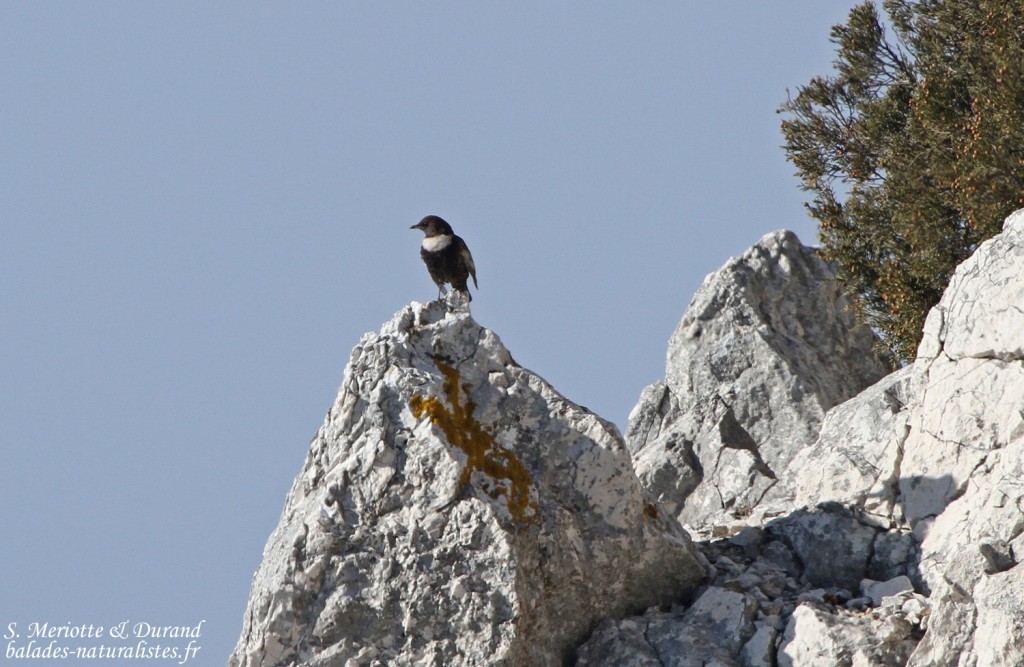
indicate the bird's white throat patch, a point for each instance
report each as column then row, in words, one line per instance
column 435, row 243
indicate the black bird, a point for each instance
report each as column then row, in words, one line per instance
column 446, row 256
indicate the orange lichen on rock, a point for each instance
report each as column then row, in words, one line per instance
column 483, row 453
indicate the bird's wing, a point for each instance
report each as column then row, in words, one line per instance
column 466, row 258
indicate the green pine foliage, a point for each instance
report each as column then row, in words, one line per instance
column 913, row 149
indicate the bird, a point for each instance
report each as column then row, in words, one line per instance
column 446, row 255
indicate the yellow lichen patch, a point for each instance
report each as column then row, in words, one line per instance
column 483, row 453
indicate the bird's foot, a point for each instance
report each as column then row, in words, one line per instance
column 457, row 300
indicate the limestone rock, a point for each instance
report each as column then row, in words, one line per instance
column 980, row 315
column 454, row 509
column 857, row 457
column 767, row 345
column 833, row 545
column 766, row 592
column 877, row 591
column 818, row 638
column 962, row 473
column 1000, row 639
column 914, row 486
column 623, row 644
column 760, row 650
column 938, row 449
column 711, row 632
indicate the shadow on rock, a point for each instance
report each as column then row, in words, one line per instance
column 828, row 583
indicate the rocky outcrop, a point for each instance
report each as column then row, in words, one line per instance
column 767, row 345
column 900, row 538
column 937, row 449
column 962, row 474
column 454, row 509
column 770, row 602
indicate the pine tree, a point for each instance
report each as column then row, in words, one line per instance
column 913, row 149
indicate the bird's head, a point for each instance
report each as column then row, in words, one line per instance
column 432, row 225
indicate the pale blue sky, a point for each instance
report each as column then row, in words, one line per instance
column 204, row 205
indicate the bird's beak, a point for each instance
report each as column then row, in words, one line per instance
column 416, row 226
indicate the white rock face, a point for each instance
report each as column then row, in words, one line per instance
column 913, row 487
column 454, row 509
column 963, row 467
column 768, row 344
column 939, row 448
column 819, row 638
column 858, row 454
column 999, row 639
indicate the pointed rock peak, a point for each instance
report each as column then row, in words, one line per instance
column 455, row 509
column 767, row 345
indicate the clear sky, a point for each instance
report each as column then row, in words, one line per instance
column 203, row 205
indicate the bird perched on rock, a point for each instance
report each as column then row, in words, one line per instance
column 446, row 256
